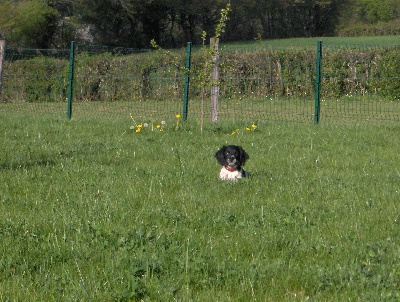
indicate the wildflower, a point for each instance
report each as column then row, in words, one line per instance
column 137, row 130
column 254, row 126
column 248, row 129
column 178, row 116
column 158, row 126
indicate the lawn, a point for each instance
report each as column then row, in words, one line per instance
column 312, row 42
column 92, row 211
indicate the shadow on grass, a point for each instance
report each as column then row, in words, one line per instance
column 42, row 161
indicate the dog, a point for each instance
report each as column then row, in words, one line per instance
column 232, row 158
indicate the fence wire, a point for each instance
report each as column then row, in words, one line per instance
column 360, row 83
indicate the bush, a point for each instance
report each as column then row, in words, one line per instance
column 386, row 79
column 39, row 79
column 378, row 29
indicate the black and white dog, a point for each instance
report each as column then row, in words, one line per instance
column 232, row 158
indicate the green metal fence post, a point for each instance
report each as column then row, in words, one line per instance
column 71, row 79
column 187, row 80
column 318, row 83
column 2, row 57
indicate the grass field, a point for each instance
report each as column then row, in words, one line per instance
column 91, row 211
column 312, row 42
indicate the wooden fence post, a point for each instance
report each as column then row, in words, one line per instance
column 214, row 80
column 2, row 56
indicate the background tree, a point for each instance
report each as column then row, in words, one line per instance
column 109, row 21
column 369, row 11
column 34, row 24
column 372, row 11
column 7, row 9
column 172, row 23
column 244, row 22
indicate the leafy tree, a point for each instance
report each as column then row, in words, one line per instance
column 7, row 9
column 111, row 22
column 244, row 22
column 154, row 19
column 196, row 16
column 34, row 24
column 68, row 24
column 360, row 15
column 373, row 11
column 134, row 23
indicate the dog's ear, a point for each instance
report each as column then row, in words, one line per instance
column 220, row 156
column 243, row 156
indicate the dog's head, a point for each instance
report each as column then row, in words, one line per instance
column 232, row 156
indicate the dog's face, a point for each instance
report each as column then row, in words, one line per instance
column 232, row 156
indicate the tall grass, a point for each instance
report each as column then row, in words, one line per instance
column 92, row 211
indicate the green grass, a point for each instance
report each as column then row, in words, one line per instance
column 312, row 42
column 90, row 211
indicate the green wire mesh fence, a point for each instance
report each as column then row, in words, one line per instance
column 125, row 81
column 267, row 84
column 359, row 83
column 34, row 80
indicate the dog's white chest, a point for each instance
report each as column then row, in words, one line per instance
column 230, row 175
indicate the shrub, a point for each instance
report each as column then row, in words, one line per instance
column 39, row 79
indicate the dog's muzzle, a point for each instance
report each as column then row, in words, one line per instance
column 231, row 160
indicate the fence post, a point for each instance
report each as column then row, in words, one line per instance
column 318, row 83
column 187, row 80
column 2, row 56
column 214, row 80
column 71, row 79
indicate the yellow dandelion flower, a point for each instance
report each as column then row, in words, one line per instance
column 178, row 115
column 158, row 126
column 137, row 130
column 248, row 129
column 254, row 126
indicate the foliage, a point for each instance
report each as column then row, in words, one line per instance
column 6, row 18
column 35, row 24
column 132, row 23
column 388, row 74
column 91, row 212
column 40, row 79
column 373, row 11
column 378, row 29
column 255, row 72
column 369, row 17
